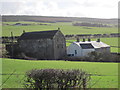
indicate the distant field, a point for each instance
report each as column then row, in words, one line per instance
column 66, row 28
column 109, row 41
column 106, row 73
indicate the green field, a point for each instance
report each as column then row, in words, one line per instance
column 106, row 74
column 66, row 28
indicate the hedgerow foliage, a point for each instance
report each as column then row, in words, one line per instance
column 56, row 78
column 102, row 57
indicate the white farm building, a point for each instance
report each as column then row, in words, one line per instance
column 82, row 48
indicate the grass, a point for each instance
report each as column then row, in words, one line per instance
column 24, row 22
column 66, row 28
column 108, row 71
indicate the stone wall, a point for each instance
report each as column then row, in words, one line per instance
column 40, row 49
column 59, row 46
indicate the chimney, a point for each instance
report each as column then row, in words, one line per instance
column 89, row 39
column 78, row 40
column 83, row 39
column 58, row 28
column 98, row 40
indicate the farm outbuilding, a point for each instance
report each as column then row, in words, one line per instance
column 42, row 44
column 82, row 48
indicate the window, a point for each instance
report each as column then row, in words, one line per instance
column 75, row 51
column 70, row 54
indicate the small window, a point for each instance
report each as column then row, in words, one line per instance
column 70, row 54
column 75, row 51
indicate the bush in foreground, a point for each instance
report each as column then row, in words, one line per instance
column 56, row 78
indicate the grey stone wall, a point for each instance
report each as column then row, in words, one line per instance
column 40, row 49
column 103, row 50
column 59, row 46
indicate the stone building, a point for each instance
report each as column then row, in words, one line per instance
column 41, row 45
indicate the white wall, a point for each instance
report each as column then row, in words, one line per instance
column 71, row 49
column 80, row 52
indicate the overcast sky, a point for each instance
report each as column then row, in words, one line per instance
column 69, row 8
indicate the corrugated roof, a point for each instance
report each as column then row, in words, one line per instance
column 99, row 44
column 38, row 35
column 93, row 43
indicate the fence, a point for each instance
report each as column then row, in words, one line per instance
column 92, row 35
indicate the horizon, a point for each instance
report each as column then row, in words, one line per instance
column 59, row 16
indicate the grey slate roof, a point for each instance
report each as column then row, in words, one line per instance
column 95, row 44
column 86, row 46
column 38, row 35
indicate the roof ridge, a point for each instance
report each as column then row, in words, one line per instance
column 42, row 31
column 38, row 34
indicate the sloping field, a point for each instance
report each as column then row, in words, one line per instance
column 66, row 28
column 104, row 75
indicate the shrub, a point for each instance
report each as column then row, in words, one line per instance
column 102, row 57
column 56, row 78
column 96, row 57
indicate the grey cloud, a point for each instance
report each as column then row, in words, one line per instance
column 18, row 7
column 54, row 7
column 10, row 7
